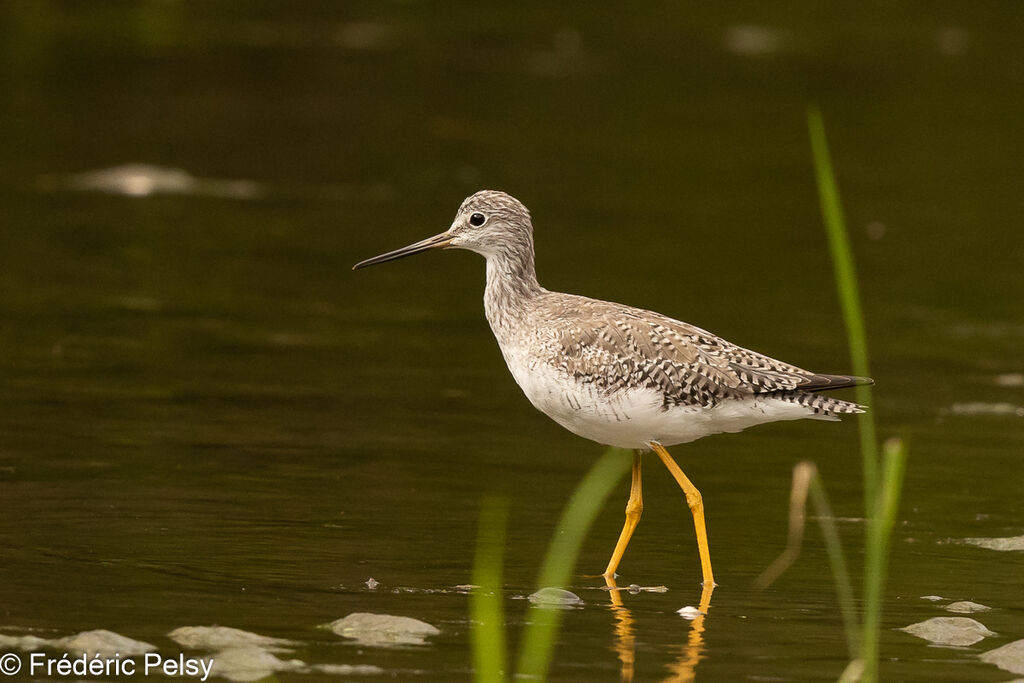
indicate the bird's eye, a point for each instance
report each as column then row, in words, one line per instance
column 477, row 219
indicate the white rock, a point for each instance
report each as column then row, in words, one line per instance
column 26, row 643
column 244, row 664
column 1010, row 379
column 225, row 637
column 981, row 408
column 689, row 612
column 1007, row 543
column 1009, row 657
column 953, row 631
column 965, row 607
column 104, row 642
column 100, row 641
column 555, row 597
column 382, row 629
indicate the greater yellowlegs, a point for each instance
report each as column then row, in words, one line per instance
column 619, row 375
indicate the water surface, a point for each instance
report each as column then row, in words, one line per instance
column 207, row 418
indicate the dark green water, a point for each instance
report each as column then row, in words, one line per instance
column 207, row 418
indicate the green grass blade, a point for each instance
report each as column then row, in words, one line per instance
column 485, row 603
column 807, row 484
column 560, row 561
column 837, row 561
column 881, row 492
column 894, row 467
column 849, row 295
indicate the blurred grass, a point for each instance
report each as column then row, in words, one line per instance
column 541, row 630
column 807, row 481
column 849, row 293
column 883, row 481
column 880, row 525
column 486, row 607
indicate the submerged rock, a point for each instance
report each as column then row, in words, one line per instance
column 966, row 607
column 143, row 180
column 555, row 597
column 244, row 664
column 1007, row 543
column 99, row 642
column 25, row 643
column 382, row 629
column 1010, row 379
column 225, row 637
column 136, row 180
column 689, row 612
column 105, row 642
column 980, row 408
column 243, row 656
column 952, row 631
column 1009, row 657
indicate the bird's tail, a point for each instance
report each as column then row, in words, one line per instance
column 819, row 382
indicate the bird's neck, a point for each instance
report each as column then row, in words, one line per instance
column 511, row 285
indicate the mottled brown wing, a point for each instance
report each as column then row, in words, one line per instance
column 615, row 347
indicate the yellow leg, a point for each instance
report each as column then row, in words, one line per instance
column 634, row 507
column 696, row 503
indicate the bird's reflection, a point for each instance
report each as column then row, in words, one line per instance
column 684, row 668
column 625, row 639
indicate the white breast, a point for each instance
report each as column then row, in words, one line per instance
column 631, row 418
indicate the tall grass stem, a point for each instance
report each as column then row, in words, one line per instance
column 486, row 610
column 881, row 526
column 837, row 561
column 849, row 294
column 587, row 500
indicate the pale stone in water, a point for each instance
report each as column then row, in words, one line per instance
column 555, row 597
column 1006, row 543
column 244, row 664
column 1010, row 379
column 966, row 607
column 753, row 40
column 382, row 629
column 105, row 642
column 26, row 643
column 953, row 631
column 225, row 637
column 689, row 612
column 243, row 656
column 982, row 408
column 1009, row 657
column 100, row 641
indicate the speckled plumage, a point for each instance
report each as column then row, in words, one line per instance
column 615, row 347
column 616, row 374
column 622, row 375
column 619, row 375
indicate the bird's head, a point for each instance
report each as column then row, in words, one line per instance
column 489, row 222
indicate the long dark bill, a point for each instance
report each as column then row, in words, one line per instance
column 435, row 242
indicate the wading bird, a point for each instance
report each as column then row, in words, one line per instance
column 618, row 375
